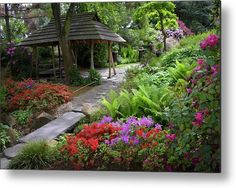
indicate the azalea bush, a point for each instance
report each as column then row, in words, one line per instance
column 131, row 144
column 196, row 115
column 36, row 96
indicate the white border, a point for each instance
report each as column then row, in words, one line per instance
column 41, row 179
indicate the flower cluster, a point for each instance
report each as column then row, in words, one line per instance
column 123, row 139
column 211, row 41
column 185, row 29
column 178, row 34
column 11, row 49
column 28, row 93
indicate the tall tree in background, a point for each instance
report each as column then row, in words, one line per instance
column 7, row 20
column 63, row 29
column 161, row 14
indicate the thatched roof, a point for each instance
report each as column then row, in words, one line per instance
column 84, row 26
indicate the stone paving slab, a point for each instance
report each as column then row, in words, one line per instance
column 54, row 128
column 4, row 163
column 12, row 151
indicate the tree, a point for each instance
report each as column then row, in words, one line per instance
column 8, row 28
column 160, row 14
column 63, row 29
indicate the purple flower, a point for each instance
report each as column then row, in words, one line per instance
column 125, row 139
column 107, row 142
column 114, row 141
column 198, row 68
column 214, row 70
column 132, row 120
column 171, row 137
column 147, row 121
column 158, row 126
column 189, row 90
column 125, row 129
column 135, row 140
column 106, row 119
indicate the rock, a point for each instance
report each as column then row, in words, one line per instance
column 67, row 107
column 4, row 163
column 41, row 120
column 13, row 151
column 171, row 42
column 8, row 119
column 88, row 109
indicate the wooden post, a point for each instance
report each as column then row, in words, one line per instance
column 59, row 58
column 112, row 61
column 109, row 58
column 35, row 61
column 53, row 63
column 91, row 55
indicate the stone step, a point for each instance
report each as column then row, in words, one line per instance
column 4, row 163
column 54, row 128
column 12, row 151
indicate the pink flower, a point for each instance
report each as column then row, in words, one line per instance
column 214, row 70
column 212, row 40
column 198, row 119
column 198, row 68
column 189, row 90
column 200, row 61
column 199, row 116
column 203, row 44
column 171, row 137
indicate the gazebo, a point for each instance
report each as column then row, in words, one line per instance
column 85, row 28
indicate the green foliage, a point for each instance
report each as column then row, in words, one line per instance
column 75, row 77
column 197, row 15
column 22, row 116
column 94, row 76
column 4, row 137
column 146, row 100
column 129, row 55
column 185, row 55
column 3, row 94
column 34, row 155
column 181, row 71
column 155, row 10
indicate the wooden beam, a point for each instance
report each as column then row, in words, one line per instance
column 59, row 58
column 112, row 61
column 109, row 58
column 35, row 61
column 92, row 55
column 53, row 63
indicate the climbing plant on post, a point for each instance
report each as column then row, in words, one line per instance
column 160, row 14
column 63, row 29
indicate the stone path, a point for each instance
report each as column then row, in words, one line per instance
column 67, row 121
column 95, row 94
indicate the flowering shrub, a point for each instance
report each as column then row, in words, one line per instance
column 135, row 144
column 197, row 114
column 183, row 27
column 41, row 96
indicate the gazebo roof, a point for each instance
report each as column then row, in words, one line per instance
column 84, row 26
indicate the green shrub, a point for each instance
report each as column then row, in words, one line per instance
column 22, row 116
column 94, row 76
column 76, row 78
column 145, row 100
column 34, row 155
column 129, row 55
column 3, row 94
column 4, row 137
column 188, row 54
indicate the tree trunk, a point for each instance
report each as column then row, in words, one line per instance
column 163, row 30
column 63, row 30
column 8, row 28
